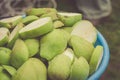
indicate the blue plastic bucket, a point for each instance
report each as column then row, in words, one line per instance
column 105, row 59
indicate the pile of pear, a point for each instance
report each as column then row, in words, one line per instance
column 48, row 45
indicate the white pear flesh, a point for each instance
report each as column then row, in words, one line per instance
column 86, row 30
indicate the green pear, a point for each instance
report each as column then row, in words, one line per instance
column 1, row 68
column 53, row 44
column 69, row 19
column 59, row 67
column 32, row 69
column 19, row 53
column 10, row 22
column 33, row 46
column 68, row 29
column 4, row 76
column 81, row 47
column 4, row 33
column 39, row 11
column 79, row 70
column 58, row 24
column 14, row 35
column 29, row 19
column 4, row 55
column 53, row 15
column 11, row 70
column 96, row 59
column 86, row 30
column 37, row 28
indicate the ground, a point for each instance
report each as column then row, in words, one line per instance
column 110, row 29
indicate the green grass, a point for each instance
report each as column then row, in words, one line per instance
column 110, row 29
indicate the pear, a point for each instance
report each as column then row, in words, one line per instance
column 39, row 11
column 68, row 29
column 79, row 70
column 69, row 19
column 4, row 55
column 37, row 28
column 33, row 46
column 96, row 59
column 11, row 70
column 59, row 67
column 29, row 19
column 32, row 69
column 86, row 30
column 53, row 15
column 81, row 47
column 19, row 54
column 4, row 76
column 1, row 68
column 58, row 24
column 53, row 44
column 4, row 33
column 10, row 22
column 14, row 35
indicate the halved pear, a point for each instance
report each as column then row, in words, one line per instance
column 33, row 46
column 10, row 22
column 59, row 67
column 32, row 69
column 96, row 59
column 53, row 44
column 1, row 68
column 81, row 47
column 14, row 35
column 4, row 33
column 53, row 15
column 69, row 19
column 11, row 70
column 4, row 76
column 5, row 55
column 86, row 30
column 37, row 28
column 29, row 19
column 58, row 24
column 80, row 69
column 68, row 29
column 39, row 11
column 19, row 54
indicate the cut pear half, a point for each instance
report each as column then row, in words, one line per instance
column 69, row 19
column 4, row 33
column 37, row 28
column 11, row 70
column 40, row 11
column 79, row 69
column 29, row 19
column 14, row 35
column 96, row 59
column 58, row 24
column 10, row 22
column 86, row 30
column 59, row 67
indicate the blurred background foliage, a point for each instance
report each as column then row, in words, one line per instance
column 110, row 28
